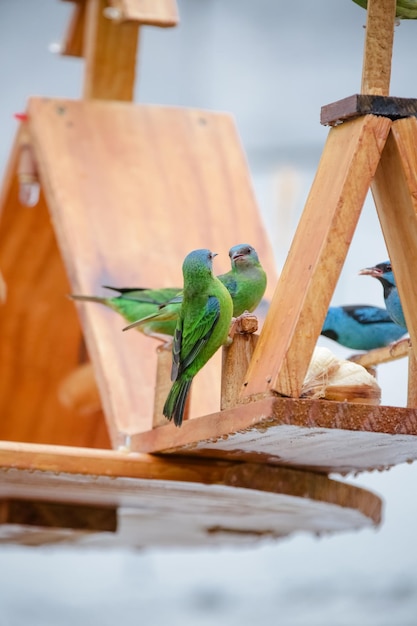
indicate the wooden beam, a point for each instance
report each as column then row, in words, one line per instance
column 110, row 50
column 304, row 290
column 379, row 39
column 394, row 189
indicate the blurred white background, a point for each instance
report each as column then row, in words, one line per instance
column 272, row 65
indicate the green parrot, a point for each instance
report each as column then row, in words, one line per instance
column 202, row 327
column 133, row 303
column 405, row 9
column 245, row 281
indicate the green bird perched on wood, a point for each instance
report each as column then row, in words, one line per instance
column 133, row 303
column 245, row 281
column 202, row 327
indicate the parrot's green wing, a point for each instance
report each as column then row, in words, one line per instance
column 148, row 296
column 187, row 346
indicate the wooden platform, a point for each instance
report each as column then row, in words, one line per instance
column 166, row 501
column 331, row 437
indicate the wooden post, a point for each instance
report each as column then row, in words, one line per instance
column 316, row 257
column 235, row 363
column 110, row 55
column 376, row 72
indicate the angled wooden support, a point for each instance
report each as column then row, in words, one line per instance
column 316, row 257
column 395, row 193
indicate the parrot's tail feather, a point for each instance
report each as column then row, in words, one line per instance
column 175, row 403
column 88, row 298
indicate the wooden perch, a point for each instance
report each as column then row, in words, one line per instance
column 386, row 354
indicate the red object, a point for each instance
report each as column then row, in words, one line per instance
column 22, row 117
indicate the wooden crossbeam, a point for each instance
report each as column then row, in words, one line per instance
column 363, row 104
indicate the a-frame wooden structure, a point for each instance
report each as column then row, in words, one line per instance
column 126, row 191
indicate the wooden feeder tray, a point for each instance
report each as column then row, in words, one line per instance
column 88, row 497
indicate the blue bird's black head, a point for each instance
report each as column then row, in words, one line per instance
column 383, row 272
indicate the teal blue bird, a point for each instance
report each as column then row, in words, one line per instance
column 383, row 272
column 361, row 326
column 203, row 325
column 133, row 303
column 246, row 282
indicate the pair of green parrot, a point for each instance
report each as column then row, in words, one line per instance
column 198, row 316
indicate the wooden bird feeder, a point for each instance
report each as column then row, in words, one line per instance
column 126, row 191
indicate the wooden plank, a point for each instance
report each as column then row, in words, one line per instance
column 125, row 225
column 39, row 331
column 302, row 297
column 181, row 501
column 379, row 39
column 395, row 193
column 110, row 55
column 362, row 104
column 319, row 435
column 162, row 13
